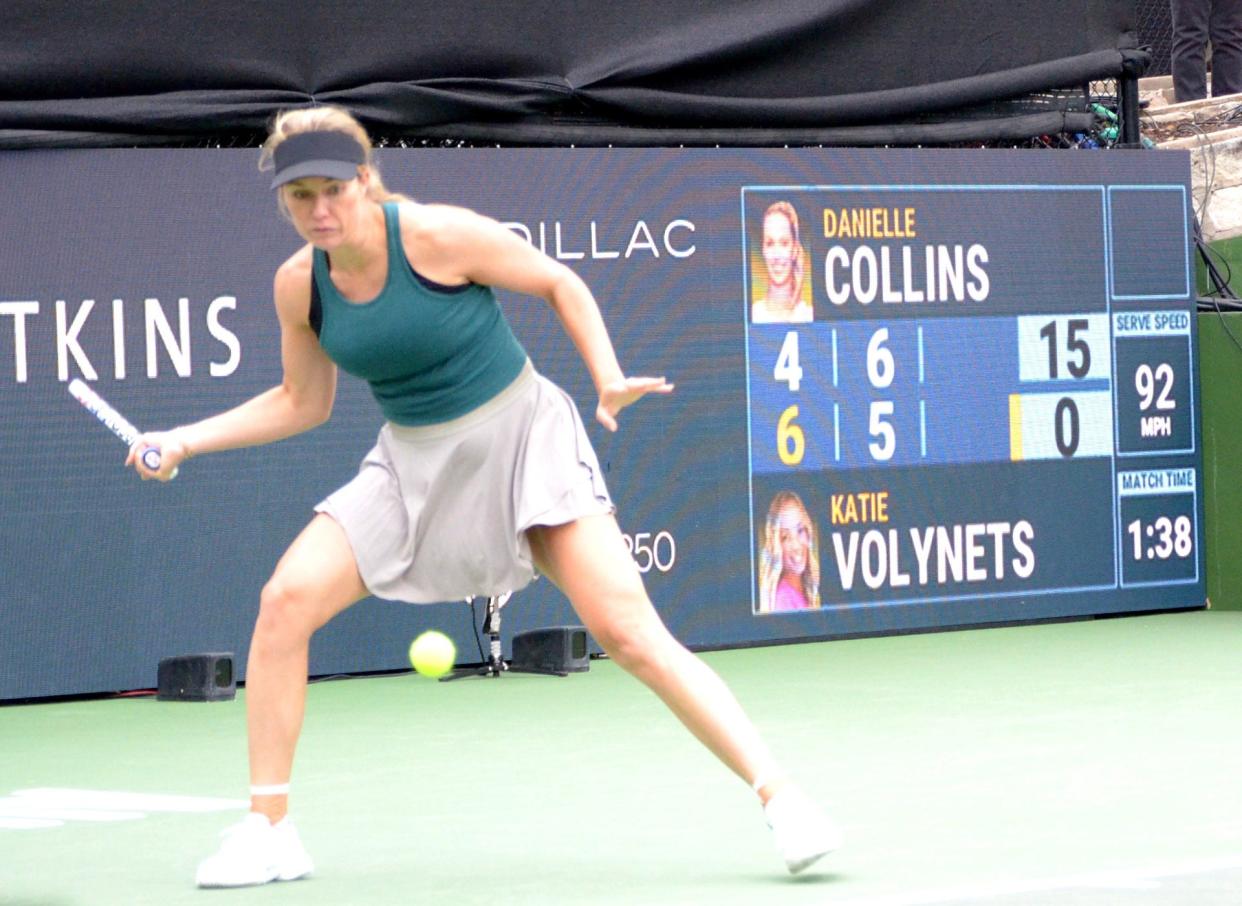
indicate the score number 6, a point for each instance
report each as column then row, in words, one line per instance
column 790, row 441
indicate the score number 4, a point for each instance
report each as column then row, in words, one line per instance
column 790, row 440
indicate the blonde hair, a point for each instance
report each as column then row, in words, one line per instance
column 770, row 560
column 324, row 118
column 786, row 210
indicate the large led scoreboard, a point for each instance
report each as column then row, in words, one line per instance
column 969, row 392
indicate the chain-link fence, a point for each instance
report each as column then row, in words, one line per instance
column 1155, row 28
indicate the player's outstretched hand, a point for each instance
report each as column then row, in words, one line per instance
column 171, row 452
column 616, row 396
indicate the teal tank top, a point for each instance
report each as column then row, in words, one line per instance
column 430, row 352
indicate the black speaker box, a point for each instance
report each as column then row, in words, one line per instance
column 197, row 678
column 561, row 648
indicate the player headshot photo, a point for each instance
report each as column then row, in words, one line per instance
column 779, row 291
column 788, row 557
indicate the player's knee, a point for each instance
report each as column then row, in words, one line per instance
column 640, row 647
column 283, row 610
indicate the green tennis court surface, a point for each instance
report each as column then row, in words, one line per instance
column 1087, row 762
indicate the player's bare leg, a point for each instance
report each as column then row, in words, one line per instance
column 316, row 579
column 588, row 561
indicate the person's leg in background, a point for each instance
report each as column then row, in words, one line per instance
column 1225, row 31
column 1190, row 36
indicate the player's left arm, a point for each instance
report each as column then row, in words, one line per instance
column 483, row 251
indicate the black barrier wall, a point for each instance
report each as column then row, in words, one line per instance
column 1027, row 302
column 515, row 72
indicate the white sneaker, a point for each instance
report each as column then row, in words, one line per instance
column 255, row 851
column 801, row 831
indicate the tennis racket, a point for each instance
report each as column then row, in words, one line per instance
column 114, row 422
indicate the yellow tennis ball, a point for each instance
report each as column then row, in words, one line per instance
column 433, row 654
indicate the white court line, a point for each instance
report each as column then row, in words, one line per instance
column 1125, row 878
column 7, row 823
column 45, row 807
column 123, row 801
column 13, row 807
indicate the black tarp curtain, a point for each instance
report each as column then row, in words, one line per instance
column 115, row 72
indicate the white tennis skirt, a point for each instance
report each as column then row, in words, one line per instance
column 440, row 512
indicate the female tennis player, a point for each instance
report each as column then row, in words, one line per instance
column 400, row 294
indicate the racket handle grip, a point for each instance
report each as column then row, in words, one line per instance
column 151, row 459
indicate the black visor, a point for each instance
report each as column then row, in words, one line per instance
column 334, row 155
